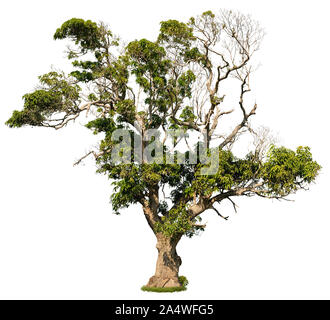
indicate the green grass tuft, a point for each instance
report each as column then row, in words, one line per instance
column 182, row 279
column 169, row 289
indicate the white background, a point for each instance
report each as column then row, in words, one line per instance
column 58, row 236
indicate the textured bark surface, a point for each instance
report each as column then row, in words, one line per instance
column 168, row 263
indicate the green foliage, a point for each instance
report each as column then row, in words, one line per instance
column 208, row 13
column 58, row 95
column 98, row 125
column 36, row 106
column 89, row 70
column 285, row 170
column 184, row 281
column 126, row 111
column 184, row 82
column 56, row 82
column 176, row 221
column 86, row 34
column 148, row 64
column 21, row 118
column 193, row 54
column 187, row 114
column 175, row 32
column 147, row 58
column 128, row 190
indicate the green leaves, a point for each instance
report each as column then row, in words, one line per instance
column 177, row 221
column 126, row 111
column 147, row 59
column 174, row 32
column 128, row 189
column 21, row 118
column 90, row 70
column 101, row 125
column 57, row 95
column 208, row 13
column 185, row 82
column 37, row 106
column 57, row 82
column 286, row 171
column 187, row 114
column 86, row 34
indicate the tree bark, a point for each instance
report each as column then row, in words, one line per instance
column 168, row 263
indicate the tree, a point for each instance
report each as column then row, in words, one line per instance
column 148, row 101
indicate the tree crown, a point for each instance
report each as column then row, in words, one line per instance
column 173, row 83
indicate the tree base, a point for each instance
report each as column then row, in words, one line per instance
column 165, row 289
column 157, row 284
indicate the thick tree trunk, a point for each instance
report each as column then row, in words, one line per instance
column 168, row 263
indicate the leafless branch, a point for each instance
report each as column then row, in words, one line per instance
column 95, row 154
column 218, row 213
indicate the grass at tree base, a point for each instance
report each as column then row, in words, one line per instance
column 169, row 289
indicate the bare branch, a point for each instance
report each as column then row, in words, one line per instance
column 233, row 203
column 96, row 156
column 219, row 214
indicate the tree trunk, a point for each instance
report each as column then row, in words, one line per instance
column 168, row 263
